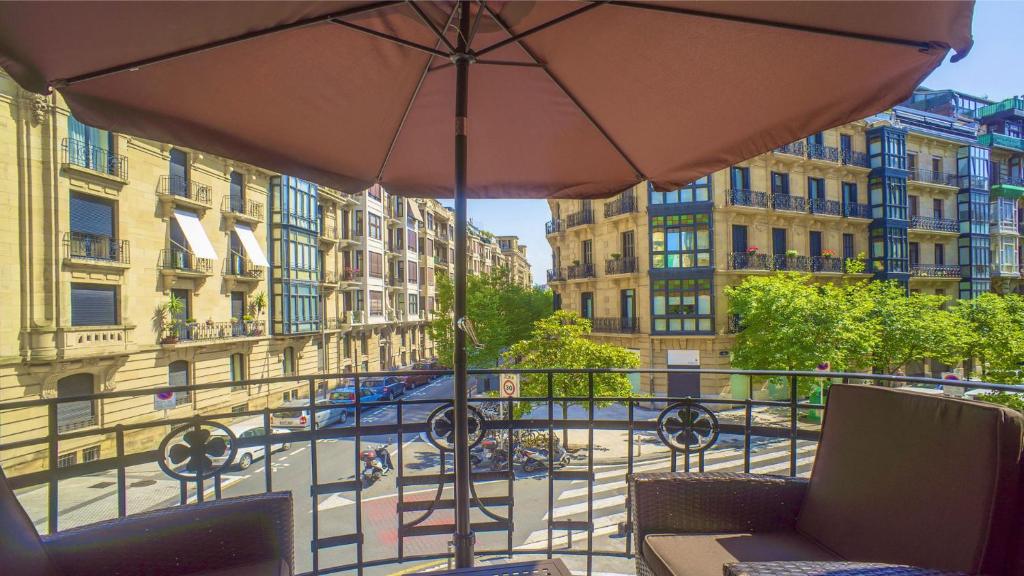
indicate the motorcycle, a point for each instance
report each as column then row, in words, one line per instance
column 376, row 463
column 534, row 459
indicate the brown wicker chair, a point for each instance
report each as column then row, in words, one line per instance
column 903, row 484
column 248, row 535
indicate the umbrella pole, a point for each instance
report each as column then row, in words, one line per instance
column 463, row 537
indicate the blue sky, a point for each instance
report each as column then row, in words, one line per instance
column 992, row 70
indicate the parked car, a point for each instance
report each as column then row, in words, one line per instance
column 415, row 380
column 389, row 387
column 298, row 417
column 345, row 396
column 246, row 455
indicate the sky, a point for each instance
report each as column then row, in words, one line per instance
column 992, row 70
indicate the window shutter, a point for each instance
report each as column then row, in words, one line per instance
column 74, row 414
column 93, row 305
column 92, row 215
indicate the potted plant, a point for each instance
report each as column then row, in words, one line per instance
column 826, row 253
column 752, row 250
column 168, row 318
column 209, row 322
column 258, row 304
column 792, row 253
column 575, row 262
column 616, row 256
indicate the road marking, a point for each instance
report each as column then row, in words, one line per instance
column 334, row 501
column 571, row 509
column 296, row 451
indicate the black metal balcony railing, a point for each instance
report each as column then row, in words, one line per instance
column 84, row 246
column 829, row 264
column 934, row 224
column 243, row 206
column 822, row 152
column 556, row 275
column 770, row 419
column 623, row 265
column 826, row 207
column 794, row 148
column 184, row 261
column 615, row 325
column 747, row 198
column 791, row 263
column 933, row 177
column 578, row 271
column 854, row 158
column 935, row 270
column 241, row 267
column 749, row 261
column 204, row 331
column 351, row 274
column 579, row 218
column 185, row 188
column 1007, row 180
column 554, row 226
column 788, row 202
column 856, row 210
column 619, row 206
column 78, row 153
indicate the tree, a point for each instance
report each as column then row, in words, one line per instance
column 502, row 313
column 996, row 327
column 560, row 341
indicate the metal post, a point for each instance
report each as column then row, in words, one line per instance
column 463, row 537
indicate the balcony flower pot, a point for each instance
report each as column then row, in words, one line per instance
column 616, row 256
column 792, row 253
column 752, row 251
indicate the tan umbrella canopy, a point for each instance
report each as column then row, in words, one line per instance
column 565, row 99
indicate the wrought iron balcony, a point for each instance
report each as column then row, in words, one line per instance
column 857, row 210
column 240, row 267
column 792, row 263
column 620, row 206
column 749, row 261
column 1007, row 180
column 554, row 226
column 788, row 202
column 556, row 275
column 825, row 207
column 578, row 271
column 78, row 153
column 822, row 152
column 768, row 424
column 854, row 158
column 580, row 218
column 178, row 260
column 94, row 248
column 350, row 275
column 180, row 187
column 793, row 148
column 934, row 224
column 827, row 264
column 935, row 270
column 183, row 332
column 747, row 198
column 248, row 209
column 932, row 177
column 624, row 265
column 615, row 325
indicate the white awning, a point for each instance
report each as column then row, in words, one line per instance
column 195, row 234
column 252, row 247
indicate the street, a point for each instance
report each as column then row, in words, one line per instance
column 93, row 498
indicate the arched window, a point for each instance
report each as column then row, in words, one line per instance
column 177, row 375
column 288, row 361
column 78, row 414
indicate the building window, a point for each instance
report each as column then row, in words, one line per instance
column 376, row 264
column 346, row 346
column 698, row 191
column 681, row 241
column 413, row 272
column 414, row 304
column 938, row 210
column 90, row 454
column 940, row 254
column 288, row 362
column 67, row 459
column 816, row 188
column 178, row 376
column 780, row 183
column 359, row 304
column 238, row 369
column 915, row 205
column 358, row 223
column 587, row 305
column 90, row 147
column 239, row 408
column 739, row 178
column 93, row 305
column 78, row 414
column 373, row 225
column 92, row 229
column 587, row 249
column 682, row 305
column 364, row 344
column 628, row 244
column 376, row 302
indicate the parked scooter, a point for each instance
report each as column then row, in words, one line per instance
column 376, row 463
column 535, row 459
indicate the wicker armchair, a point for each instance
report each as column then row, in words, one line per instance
column 904, row 484
column 248, row 535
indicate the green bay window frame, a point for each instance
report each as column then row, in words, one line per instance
column 682, row 305
column 681, row 241
column 697, row 191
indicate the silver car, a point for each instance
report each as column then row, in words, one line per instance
column 251, row 428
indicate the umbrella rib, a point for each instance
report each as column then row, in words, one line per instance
column 579, row 105
column 921, row 45
column 430, row 23
column 62, row 83
column 517, row 38
column 390, row 38
column 408, row 106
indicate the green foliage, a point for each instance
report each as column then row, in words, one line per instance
column 856, row 265
column 560, row 341
column 175, row 306
column 502, row 313
column 1008, row 399
column 258, row 303
column 996, row 325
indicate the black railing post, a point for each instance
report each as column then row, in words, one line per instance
column 52, row 508
column 314, row 489
column 122, row 487
column 551, row 479
column 590, row 473
column 747, row 423
column 358, row 476
column 267, row 477
column 792, row 424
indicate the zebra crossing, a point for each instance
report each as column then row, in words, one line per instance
column 609, row 487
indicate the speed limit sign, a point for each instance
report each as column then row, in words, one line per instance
column 510, row 385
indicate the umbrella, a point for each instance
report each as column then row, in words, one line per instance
column 565, row 99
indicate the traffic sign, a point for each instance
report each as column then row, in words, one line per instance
column 164, row 401
column 510, row 385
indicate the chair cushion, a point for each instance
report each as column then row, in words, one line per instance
column 828, row 569
column 21, row 551
column 706, row 554
column 910, row 478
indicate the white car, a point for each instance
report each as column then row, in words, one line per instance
column 298, row 415
column 251, row 428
